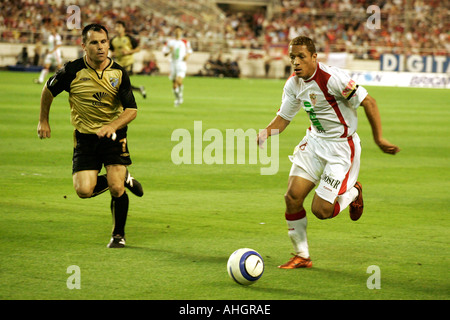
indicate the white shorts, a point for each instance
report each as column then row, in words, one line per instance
column 333, row 164
column 177, row 70
column 53, row 58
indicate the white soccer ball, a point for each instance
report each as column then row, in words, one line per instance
column 245, row 266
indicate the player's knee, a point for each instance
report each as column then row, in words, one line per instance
column 116, row 189
column 289, row 198
column 292, row 200
column 83, row 187
column 321, row 212
column 84, row 193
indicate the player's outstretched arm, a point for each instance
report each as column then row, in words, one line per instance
column 43, row 128
column 276, row 126
column 373, row 115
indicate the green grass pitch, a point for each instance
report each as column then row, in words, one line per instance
column 193, row 216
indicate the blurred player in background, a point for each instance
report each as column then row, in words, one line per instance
column 124, row 47
column 329, row 155
column 179, row 50
column 102, row 105
column 53, row 55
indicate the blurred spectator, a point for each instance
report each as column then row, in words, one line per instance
column 217, row 68
column 22, row 58
column 232, row 69
column 150, row 65
column 212, row 68
column 37, row 51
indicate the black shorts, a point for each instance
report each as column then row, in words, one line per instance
column 91, row 152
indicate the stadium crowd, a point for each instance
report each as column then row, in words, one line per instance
column 416, row 26
column 419, row 26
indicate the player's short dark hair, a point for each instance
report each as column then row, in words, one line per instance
column 304, row 41
column 122, row 23
column 93, row 27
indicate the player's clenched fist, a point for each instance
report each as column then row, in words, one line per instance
column 43, row 130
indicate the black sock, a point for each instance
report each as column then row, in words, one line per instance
column 119, row 210
column 101, row 186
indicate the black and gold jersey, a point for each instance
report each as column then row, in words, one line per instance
column 95, row 98
column 119, row 45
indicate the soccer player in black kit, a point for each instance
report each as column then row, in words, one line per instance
column 102, row 104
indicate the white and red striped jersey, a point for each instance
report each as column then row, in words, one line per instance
column 330, row 97
column 180, row 48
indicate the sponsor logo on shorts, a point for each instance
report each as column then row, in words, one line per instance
column 303, row 146
column 334, row 183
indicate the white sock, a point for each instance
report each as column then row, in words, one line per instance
column 297, row 233
column 176, row 92
column 44, row 72
column 180, row 91
column 346, row 198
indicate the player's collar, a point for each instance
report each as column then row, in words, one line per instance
column 89, row 66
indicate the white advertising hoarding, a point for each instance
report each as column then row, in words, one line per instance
column 401, row 79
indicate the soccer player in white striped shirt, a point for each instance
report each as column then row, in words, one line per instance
column 329, row 155
column 179, row 50
column 53, row 55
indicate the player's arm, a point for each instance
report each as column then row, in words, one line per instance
column 188, row 51
column 186, row 57
column 122, row 121
column 276, row 126
column 134, row 46
column 132, row 51
column 43, row 128
column 373, row 115
column 112, row 49
column 58, row 45
column 167, row 49
column 57, row 83
column 129, row 113
column 289, row 108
